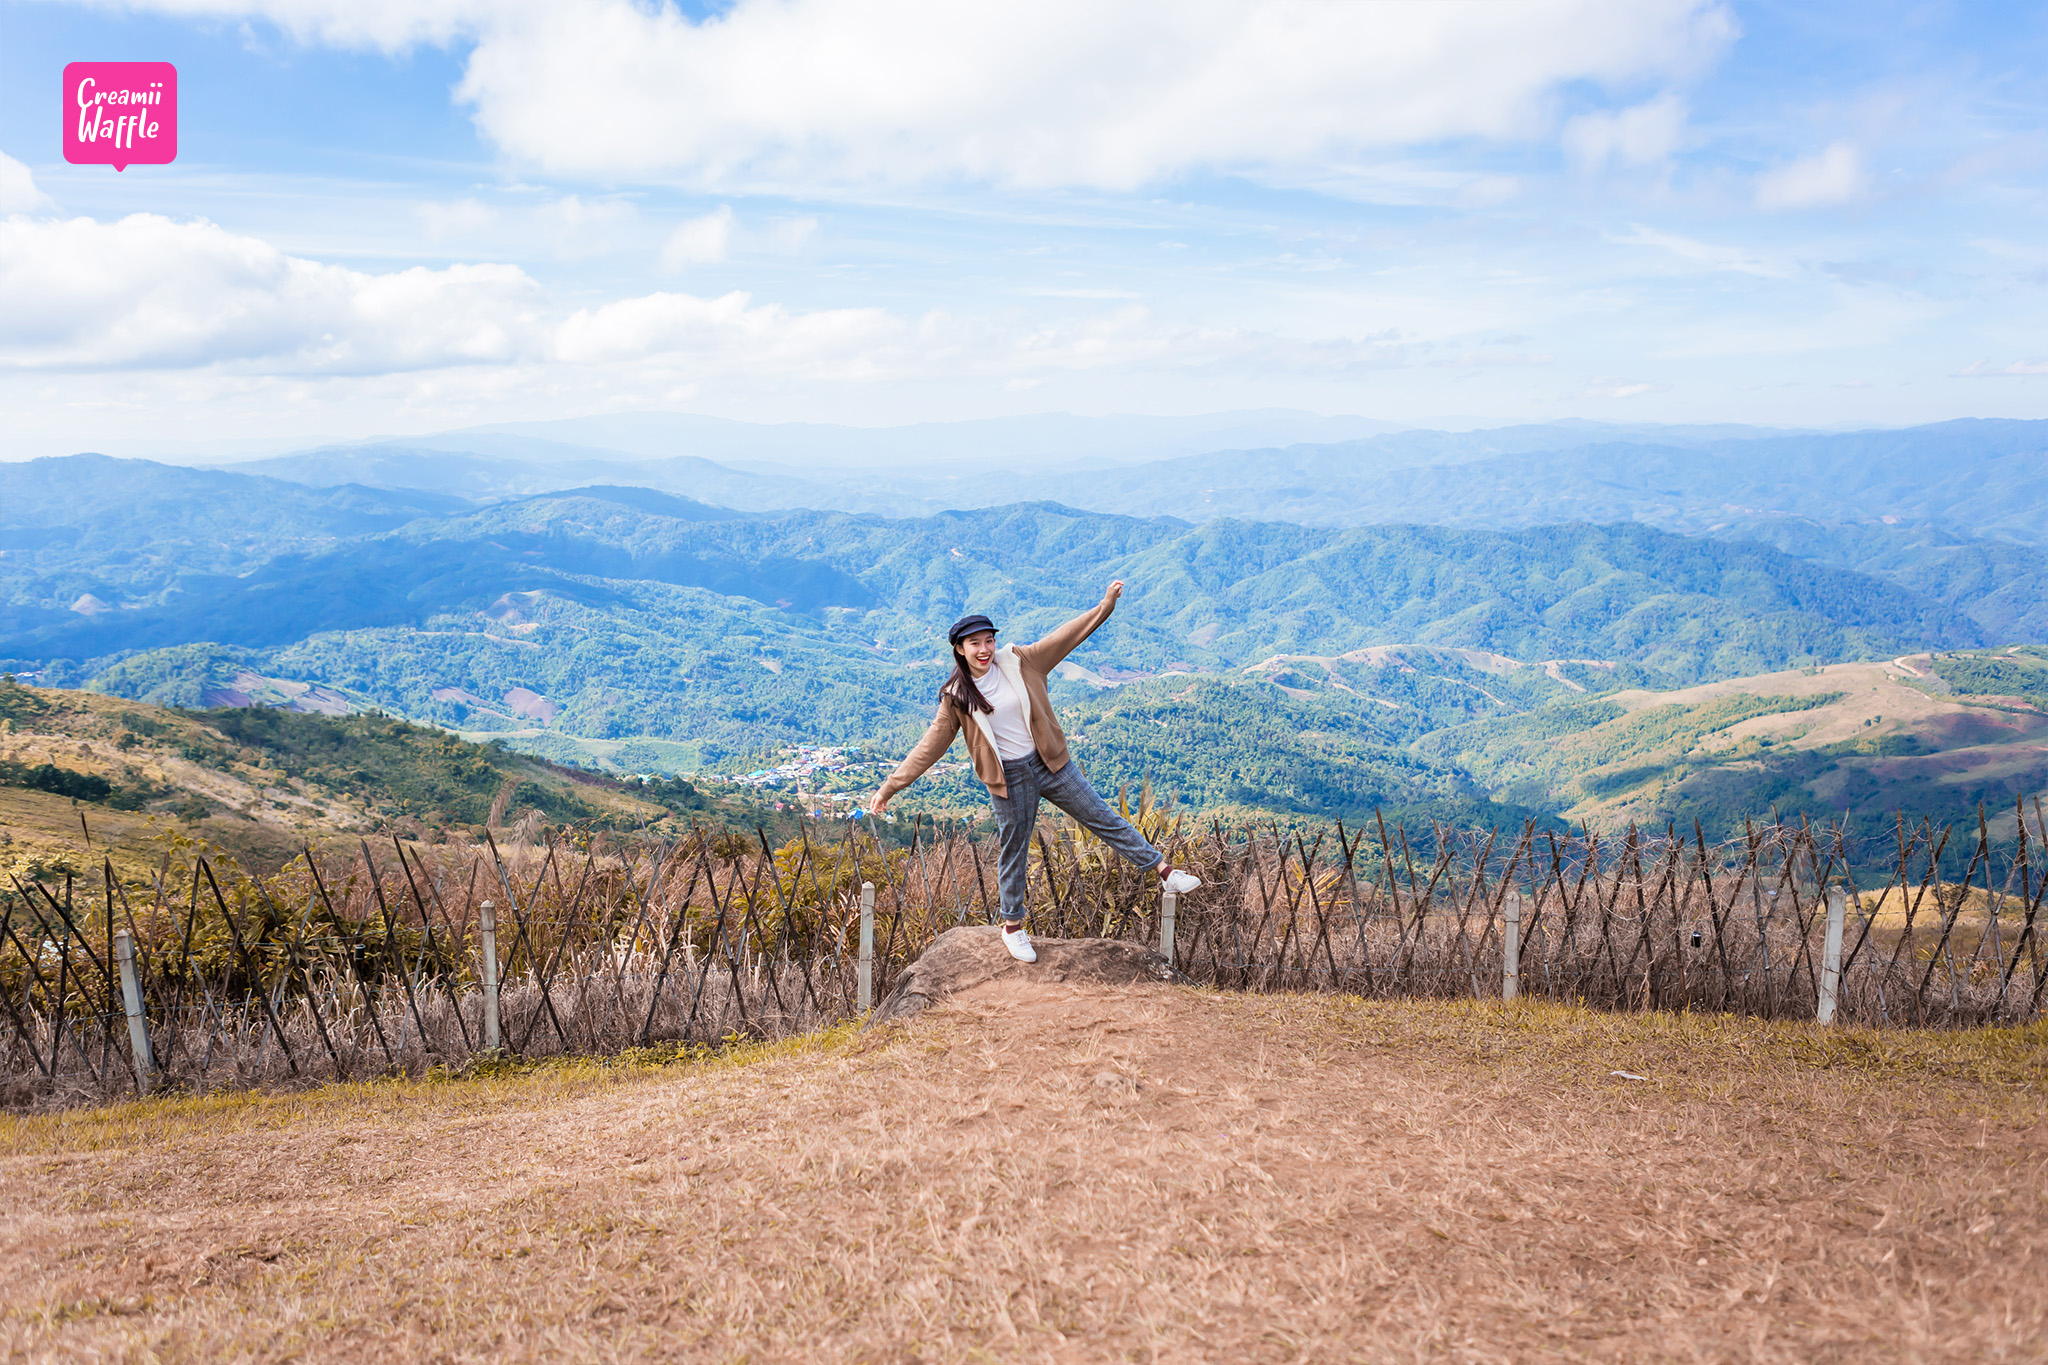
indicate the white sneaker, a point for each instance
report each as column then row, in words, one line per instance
column 1180, row 883
column 1018, row 941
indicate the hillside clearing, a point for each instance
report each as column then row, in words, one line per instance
column 1048, row 1173
column 1858, row 743
column 263, row 783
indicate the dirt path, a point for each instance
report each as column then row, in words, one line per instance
column 1047, row 1174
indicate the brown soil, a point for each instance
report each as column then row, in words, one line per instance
column 1043, row 1172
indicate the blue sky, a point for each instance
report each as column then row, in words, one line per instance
column 391, row 217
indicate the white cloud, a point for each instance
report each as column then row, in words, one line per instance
column 716, row 237
column 1133, row 338
column 1047, row 93
column 1835, row 318
column 700, row 241
column 148, row 292
column 1494, row 358
column 1398, row 181
column 731, row 332
column 1834, row 176
column 18, row 192
column 792, row 234
column 1708, row 254
column 460, row 219
column 1985, row 369
column 1642, row 136
column 1057, row 92
column 388, row 25
column 1054, row 293
column 584, row 227
column 573, row 226
column 2027, row 253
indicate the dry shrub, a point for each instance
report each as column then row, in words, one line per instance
column 337, row 968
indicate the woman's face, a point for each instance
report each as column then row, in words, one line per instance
column 978, row 649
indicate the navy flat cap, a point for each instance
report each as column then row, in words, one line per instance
column 968, row 625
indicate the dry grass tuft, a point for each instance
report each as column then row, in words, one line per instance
column 1046, row 1173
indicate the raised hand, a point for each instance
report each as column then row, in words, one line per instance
column 1116, row 590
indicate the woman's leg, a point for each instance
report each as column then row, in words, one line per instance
column 1072, row 792
column 1016, row 817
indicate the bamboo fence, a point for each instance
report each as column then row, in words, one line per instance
column 407, row 957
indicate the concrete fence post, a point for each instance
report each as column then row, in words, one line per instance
column 1169, row 906
column 866, row 974
column 1831, row 956
column 131, row 1004
column 487, row 927
column 1511, row 947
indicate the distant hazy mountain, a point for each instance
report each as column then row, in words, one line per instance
column 762, row 467
column 1982, row 479
column 1263, row 465
column 1030, row 443
column 129, row 498
column 1978, row 477
column 65, row 521
column 612, row 593
column 487, row 468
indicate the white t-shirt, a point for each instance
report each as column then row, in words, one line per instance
column 1012, row 735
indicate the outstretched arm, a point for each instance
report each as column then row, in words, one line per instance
column 1047, row 653
column 927, row 751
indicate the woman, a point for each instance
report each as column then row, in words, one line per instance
column 997, row 699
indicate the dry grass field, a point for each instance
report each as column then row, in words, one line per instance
column 1052, row 1174
column 201, row 785
column 1961, row 746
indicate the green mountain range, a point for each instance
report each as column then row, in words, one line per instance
column 1270, row 665
column 1955, row 510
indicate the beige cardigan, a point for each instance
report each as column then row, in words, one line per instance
column 1026, row 667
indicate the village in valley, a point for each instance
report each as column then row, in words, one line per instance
column 823, row 782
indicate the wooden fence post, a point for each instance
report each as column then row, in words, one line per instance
column 131, row 1003
column 1169, row 903
column 1831, row 956
column 1511, row 947
column 866, row 975
column 487, row 925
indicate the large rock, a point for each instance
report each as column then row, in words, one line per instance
column 966, row 957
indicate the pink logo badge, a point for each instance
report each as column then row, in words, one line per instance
column 120, row 114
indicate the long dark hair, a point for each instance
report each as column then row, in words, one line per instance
column 960, row 687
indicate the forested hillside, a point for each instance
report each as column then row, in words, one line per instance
column 1265, row 665
column 80, row 770
column 627, row 612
